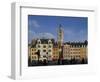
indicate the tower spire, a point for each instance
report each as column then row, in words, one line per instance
column 60, row 34
column 60, row 43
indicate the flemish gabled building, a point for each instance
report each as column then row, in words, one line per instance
column 45, row 46
column 33, row 50
column 66, row 51
column 75, row 50
column 33, row 54
column 55, row 55
column 84, row 51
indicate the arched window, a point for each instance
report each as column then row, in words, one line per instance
column 49, row 42
column 39, row 42
column 49, row 46
column 49, row 50
column 44, row 50
column 39, row 46
column 44, row 46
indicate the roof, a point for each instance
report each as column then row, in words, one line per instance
column 77, row 44
column 45, row 41
column 55, row 44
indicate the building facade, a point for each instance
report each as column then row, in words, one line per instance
column 55, row 55
column 66, row 52
column 74, row 50
column 49, row 50
column 33, row 54
column 44, row 46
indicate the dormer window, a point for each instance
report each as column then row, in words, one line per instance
column 38, row 41
column 49, row 42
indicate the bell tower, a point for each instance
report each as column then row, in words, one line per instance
column 60, row 37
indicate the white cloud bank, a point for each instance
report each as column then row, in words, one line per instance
column 34, row 24
column 33, row 35
column 45, row 35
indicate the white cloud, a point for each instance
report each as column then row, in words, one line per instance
column 45, row 35
column 32, row 35
column 34, row 23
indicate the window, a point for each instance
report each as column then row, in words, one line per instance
column 39, row 42
column 49, row 50
column 34, row 57
column 49, row 46
column 39, row 46
column 44, row 56
column 44, row 50
column 39, row 50
column 49, row 42
column 32, row 49
column 44, row 46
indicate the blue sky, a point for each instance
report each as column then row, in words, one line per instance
column 75, row 28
